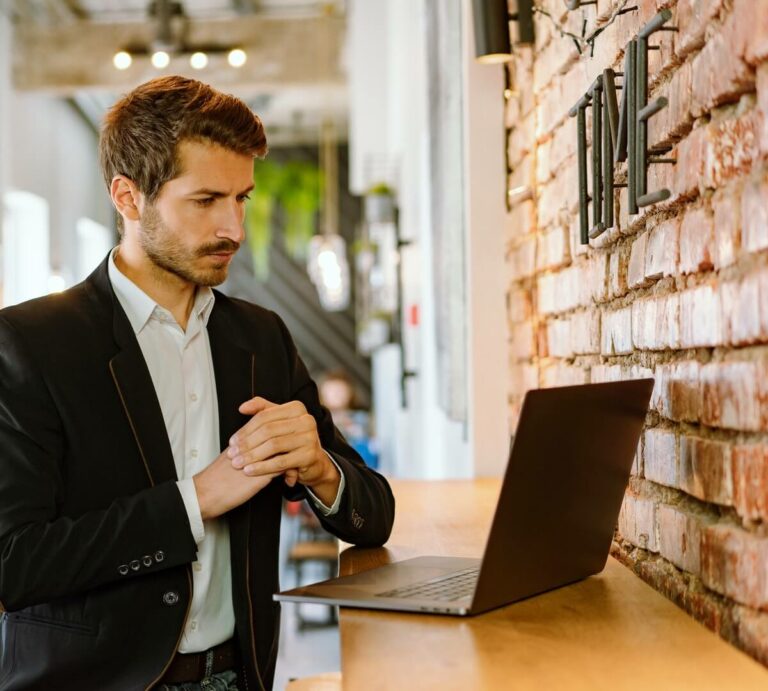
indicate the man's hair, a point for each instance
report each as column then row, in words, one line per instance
column 141, row 133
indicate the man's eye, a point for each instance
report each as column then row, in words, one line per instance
column 204, row 202
column 243, row 197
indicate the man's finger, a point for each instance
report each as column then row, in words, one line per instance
column 271, row 413
column 255, row 405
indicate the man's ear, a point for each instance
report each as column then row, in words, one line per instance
column 126, row 197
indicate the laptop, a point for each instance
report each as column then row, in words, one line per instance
column 568, row 468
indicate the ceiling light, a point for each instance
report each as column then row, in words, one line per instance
column 237, row 57
column 198, row 60
column 122, row 60
column 161, row 59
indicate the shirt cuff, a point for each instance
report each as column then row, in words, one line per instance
column 334, row 508
column 192, row 505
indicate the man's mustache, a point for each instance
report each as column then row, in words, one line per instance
column 219, row 247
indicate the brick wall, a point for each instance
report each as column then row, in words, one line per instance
column 678, row 291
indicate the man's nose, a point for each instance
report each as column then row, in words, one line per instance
column 231, row 222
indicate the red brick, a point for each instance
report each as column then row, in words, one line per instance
column 637, row 257
column 522, row 344
column 603, row 373
column 726, row 204
column 597, row 273
column 719, row 74
column 661, row 257
column 735, row 395
column 734, row 563
column 680, row 537
column 750, row 21
column 558, row 374
column 762, row 97
column 752, row 636
column 618, row 263
column 745, row 308
column 585, row 332
column 696, row 241
column 691, row 157
column 677, row 391
column 693, row 18
column 520, row 183
column 732, row 146
column 705, row 469
column 554, row 59
column 700, row 317
column 637, row 522
column 521, row 260
column 523, row 377
column 655, row 323
column 616, row 328
column 754, row 214
column 676, row 120
column 521, row 220
column 660, row 456
column 559, row 338
column 552, row 250
column 750, row 481
column 521, row 140
column 519, row 305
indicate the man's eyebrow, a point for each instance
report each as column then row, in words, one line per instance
column 218, row 193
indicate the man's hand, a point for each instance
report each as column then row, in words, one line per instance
column 220, row 487
column 282, row 438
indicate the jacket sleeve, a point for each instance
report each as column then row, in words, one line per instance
column 44, row 554
column 367, row 509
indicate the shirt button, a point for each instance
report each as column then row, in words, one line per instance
column 193, row 397
column 192, row 625
column 193, row 453
column 197, row 566
column 170, row 598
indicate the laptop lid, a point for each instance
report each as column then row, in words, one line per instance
column 568, row 469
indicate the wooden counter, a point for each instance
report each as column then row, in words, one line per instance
column 610, row 631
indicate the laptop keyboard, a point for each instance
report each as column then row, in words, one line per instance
column 448, row 588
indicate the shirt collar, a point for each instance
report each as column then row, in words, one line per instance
column 139, row 307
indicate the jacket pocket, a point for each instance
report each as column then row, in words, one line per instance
column 55, row 624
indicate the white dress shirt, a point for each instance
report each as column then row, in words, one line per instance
column 181, row 368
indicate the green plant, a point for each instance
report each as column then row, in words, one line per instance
column 267, row 180
column 296, row 187
column 300, row 199
column 380, row 188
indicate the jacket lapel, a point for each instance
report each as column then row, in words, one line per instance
column 134, row 385
column 233, row 372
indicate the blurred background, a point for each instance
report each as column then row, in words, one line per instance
column 374, row 228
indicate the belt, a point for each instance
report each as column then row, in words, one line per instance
column 186, row 667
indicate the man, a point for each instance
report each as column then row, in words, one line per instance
column 149, row 428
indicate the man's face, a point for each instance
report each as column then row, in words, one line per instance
column 195, row 225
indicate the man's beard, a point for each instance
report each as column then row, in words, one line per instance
column 166, row 252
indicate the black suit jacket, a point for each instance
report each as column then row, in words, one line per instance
column 88, row 487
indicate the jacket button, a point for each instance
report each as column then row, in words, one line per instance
column 123, row 569
column 146, row 560
column 170, row 598
column 135, row 565
column 159, row 556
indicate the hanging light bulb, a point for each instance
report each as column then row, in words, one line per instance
column 329, row 270
column 198, row 60
column 122, row 60
column 160, row 59
column 237, row 57
column 327, row 263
